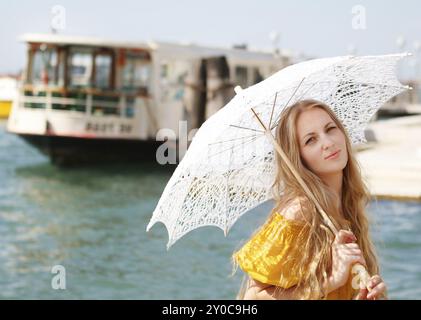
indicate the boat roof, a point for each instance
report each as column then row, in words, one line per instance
column 60, row 39
column 192, row 49
column 189, row 49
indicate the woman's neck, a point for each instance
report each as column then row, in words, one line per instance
column 334, row 182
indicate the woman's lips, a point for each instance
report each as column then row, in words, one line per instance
column 333, row 156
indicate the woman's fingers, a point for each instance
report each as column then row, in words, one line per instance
column 344, row 236
column 356, row 259
column 377, row 291
column 350, row 245
column 373, row 295
column 354, row 250
column 378, row 287
column 351, row 251
column 362, row 294
column 374, row 281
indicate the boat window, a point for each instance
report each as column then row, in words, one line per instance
column 103, row 65
column 164, row 70
column 172, row 80
column 241, row 76
column 257, row 76
column 105, row 111
column 105, row 105
column 136, row 72
column 80, row 69
column 130, row 108
column 78, row 104
column 45, row 67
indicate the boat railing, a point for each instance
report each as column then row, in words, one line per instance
column 89, row 101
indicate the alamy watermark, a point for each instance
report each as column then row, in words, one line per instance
column 58, row 282
column 58, row 18
column 359, row 17
column 174, row 146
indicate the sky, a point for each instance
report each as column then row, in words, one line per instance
column 318, row 28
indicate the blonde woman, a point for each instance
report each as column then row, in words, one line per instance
column 294, row 255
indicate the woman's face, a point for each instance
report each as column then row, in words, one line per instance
column 319, row 137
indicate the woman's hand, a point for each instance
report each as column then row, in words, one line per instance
column 377, row 289
column 345, row 253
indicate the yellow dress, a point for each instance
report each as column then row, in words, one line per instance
column 271, row 254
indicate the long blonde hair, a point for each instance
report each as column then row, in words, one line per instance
column 314, row 265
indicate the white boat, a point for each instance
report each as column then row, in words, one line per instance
column 94, row 100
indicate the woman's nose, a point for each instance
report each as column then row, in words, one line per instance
column 327, row 143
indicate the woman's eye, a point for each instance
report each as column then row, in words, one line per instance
column 311, row 139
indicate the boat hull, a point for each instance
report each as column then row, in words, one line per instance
column 69, row 151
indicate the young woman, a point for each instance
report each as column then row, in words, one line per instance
column 294, row 255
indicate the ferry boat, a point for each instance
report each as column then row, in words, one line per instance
column 94, row 100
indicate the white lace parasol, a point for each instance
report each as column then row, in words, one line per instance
column 229, row 166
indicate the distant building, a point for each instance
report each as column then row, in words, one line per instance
column 8, row 92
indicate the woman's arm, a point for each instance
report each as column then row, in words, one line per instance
column 262, row 291
column 278, row 293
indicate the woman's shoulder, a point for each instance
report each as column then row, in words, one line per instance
column 270, row 254
column 297, row 209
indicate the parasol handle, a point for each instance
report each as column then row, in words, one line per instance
column 357, row 269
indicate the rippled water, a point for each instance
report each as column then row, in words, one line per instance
column 93, row 220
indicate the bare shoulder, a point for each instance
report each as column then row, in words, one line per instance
column 297, row 209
